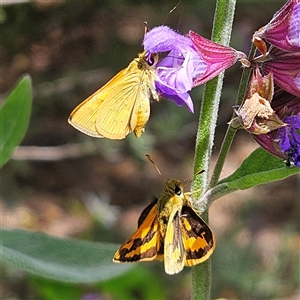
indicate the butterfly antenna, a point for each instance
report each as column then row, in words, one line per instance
column 155, row 165
column 146, row 27
column 188, row 179
column 173, row 9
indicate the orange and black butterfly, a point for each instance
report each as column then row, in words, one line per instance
column 169, row 229
column 122, row 105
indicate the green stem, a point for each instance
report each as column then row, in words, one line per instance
column 201, row 274
column 231, row 131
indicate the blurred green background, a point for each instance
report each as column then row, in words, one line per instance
column 72, row 185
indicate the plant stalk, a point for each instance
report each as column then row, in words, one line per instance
column 223, row 20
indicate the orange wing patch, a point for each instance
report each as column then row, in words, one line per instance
column 145, row 243
column 199, row 241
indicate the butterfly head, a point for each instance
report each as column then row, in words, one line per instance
column 173, row 187
column 150, row 59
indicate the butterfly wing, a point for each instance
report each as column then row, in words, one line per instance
column 84, row 116
column 145, row 243
column 198, row 239
column 121, row 110
column 119, row 107
column 146, row 212
column 174, row 255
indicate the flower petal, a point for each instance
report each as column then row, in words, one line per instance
column 164, row 39
column 217, row 57
column 289, row 138
column 178, row 69
column 285, row 67
column 285, row 103
column 283, row 30
column 293, row 36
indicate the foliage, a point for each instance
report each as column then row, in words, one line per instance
column 15, row 114
column 60, row 259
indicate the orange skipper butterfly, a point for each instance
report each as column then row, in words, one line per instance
column 122, row 105
column 169, row 229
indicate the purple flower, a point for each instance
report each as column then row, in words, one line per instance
column 185, row 66
column 285, row 103
column 268, row 142
column 283, row 31
column 285, row 141
column 289, row 139
column 285, row 67
column 177, row 70
column 283, row 58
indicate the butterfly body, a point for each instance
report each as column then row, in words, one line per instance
column 169, row 229
column 122, row 105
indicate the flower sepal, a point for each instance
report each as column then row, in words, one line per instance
column 217, row 57
column 256, row 114
column 283, row 30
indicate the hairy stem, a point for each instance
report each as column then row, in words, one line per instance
column 223, row 20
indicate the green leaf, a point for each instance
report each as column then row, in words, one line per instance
column 14, row 118
column 258, row 168
column 48, row 289
column 140, row 283
column 66, row 260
